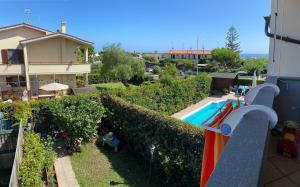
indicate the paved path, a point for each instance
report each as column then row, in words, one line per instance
column 185, row 112
column 64, row 172
column 63, row 167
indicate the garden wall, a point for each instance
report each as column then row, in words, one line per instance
column 178, row 145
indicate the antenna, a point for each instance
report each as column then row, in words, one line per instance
column 27, row 12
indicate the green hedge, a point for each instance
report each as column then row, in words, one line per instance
column 77, row 115
column 179, row 145
column 246, row 82
column 32, row 165
column 170, row 95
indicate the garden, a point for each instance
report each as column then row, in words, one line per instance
column 138, row 115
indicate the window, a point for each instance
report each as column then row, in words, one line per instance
column 13, row 56
column 15, row 81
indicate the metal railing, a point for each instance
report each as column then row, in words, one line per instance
column 18, row 158
column 8, row 140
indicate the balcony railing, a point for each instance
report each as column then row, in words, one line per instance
column 241, row 163
column 38, row 69
column 11, row 69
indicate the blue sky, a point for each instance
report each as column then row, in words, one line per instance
column 148, row 25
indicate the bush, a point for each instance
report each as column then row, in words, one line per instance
column 31, row 169
column 156, row 69
column 170, row 94
column 178, row 145
column 77, row 115
column 246, row 82
column 17, row 111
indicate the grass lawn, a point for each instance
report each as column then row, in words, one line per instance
column 110, row 86
column 99, row 166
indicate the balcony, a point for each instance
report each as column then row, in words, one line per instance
column 43, row 69
column 242, row 162
column 11, row 69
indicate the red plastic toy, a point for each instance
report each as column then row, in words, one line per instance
column 288, row 142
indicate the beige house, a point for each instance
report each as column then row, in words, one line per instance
column 31, row 57
column 195, row 55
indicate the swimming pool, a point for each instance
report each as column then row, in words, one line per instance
column 201, row 115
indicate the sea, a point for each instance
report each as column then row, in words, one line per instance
column 248, row 55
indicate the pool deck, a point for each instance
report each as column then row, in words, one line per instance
column 214, row 98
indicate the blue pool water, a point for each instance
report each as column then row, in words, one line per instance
column 200, row 116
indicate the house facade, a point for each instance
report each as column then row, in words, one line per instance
column 195, row 55
column 283, row 29
column 32, row 56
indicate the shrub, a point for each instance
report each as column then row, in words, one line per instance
column 170, row 94
column 31, row 168
column 178, row 145
column 17, row 111
column 156, row 69
column 246, row 82
column 77, row 115
column 170, row 70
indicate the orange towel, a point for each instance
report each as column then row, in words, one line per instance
column 220, row 142
column 213, row 146
column 207, row 159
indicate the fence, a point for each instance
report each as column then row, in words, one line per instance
column 8, row 139
column 18, row 158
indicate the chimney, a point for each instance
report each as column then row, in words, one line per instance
column 63, row 27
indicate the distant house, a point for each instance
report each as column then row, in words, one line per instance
column 32, row 56
column 195, row 55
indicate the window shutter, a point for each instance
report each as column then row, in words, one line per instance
column 21, row 57
column 4, row 56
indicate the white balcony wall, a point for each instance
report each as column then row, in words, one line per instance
column 40, row 69
column 284, row 56
column 11, row 69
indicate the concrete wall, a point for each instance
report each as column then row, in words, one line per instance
column 9, row 39
column 286, row 55
column 52, row 51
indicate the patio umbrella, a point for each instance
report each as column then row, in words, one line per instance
column 54, row 87
column 254, row 80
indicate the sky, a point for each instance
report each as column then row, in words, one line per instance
column 148, row 25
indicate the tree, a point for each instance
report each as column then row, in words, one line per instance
column 259, row 65
column 170, row 70
column 225, row 56
column 232, row 40
column 150, row 60
column 186, row 64
column 120, row 66
column 156, row 69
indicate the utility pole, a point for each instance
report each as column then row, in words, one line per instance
column 197, row 54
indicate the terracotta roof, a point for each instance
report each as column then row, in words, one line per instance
column 182, row 52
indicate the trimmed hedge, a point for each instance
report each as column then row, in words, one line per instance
column 32, row 165
column 179, row 145
column 170, row 95
column 246, row 82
